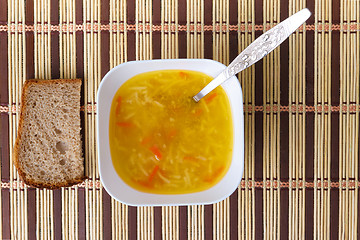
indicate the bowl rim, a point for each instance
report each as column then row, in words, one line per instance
column 104, row 177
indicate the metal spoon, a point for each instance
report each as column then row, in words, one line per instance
column 257, row 50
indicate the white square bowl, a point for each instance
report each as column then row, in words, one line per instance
column 122, row 192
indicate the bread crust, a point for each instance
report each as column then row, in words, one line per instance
column 18, row 166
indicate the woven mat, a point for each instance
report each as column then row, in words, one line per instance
column 301, row 177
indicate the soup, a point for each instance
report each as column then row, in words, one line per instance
column 161, row 141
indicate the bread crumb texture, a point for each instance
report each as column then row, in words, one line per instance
column 48, row 151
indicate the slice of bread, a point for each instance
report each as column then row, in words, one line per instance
column 48, row 149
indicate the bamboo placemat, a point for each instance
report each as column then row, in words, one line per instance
column 301, row 103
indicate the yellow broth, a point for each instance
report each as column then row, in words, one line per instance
column 161, row 141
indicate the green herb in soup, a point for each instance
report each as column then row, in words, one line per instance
column 161, row 141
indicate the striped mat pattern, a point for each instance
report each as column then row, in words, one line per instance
column 302, row 106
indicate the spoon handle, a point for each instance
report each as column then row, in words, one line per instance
column 258, row 49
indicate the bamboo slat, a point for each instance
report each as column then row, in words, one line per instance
column 92, row 78
column 145, row 223
column 170, row 222
column 143, row 26
column 322, row 126
column 297, row 81
column 349, row 122
column 271, row 128
column 16, row 77
column 195, row 222
column 169, row 26
column 195, row 20
column 246, row 197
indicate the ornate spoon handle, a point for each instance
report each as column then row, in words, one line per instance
column 258, row 49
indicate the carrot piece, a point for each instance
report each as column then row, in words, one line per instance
column 118, row 105
column 198, row 112
column 218, row 172
column 124, row 124
column 211, row 97
column 145, row 140
column 119, row 99
column 208, row 179
column 156, row 151
column 182, row 74
column 215, row 174
column 144, row 184
column 153, row 173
